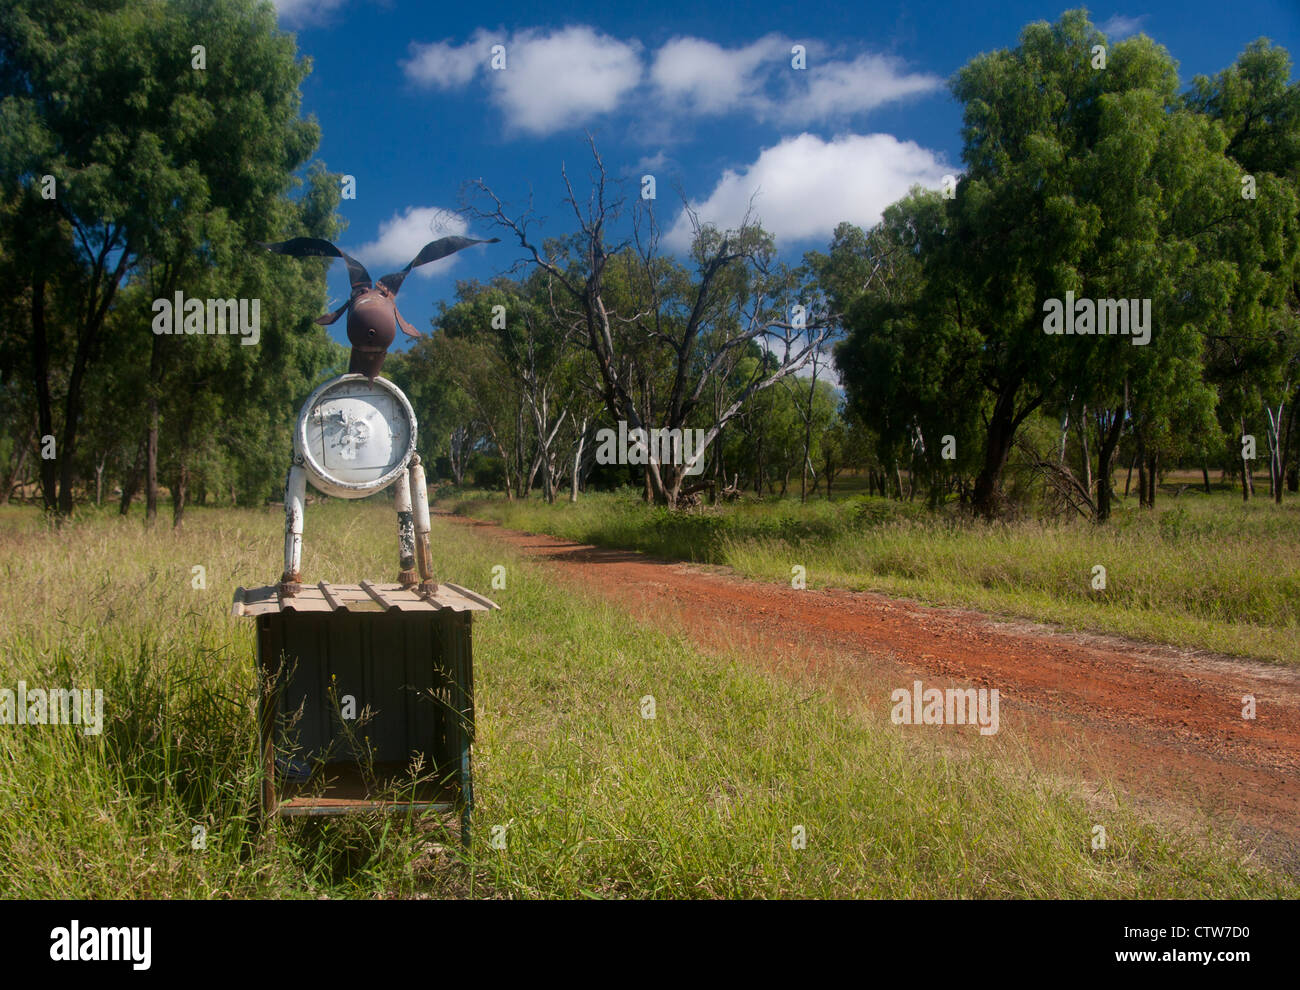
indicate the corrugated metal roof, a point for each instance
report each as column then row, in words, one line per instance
column 363, row 597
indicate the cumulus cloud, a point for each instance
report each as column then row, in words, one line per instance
column 803, row 186
column 403, row 234
column 551, row 79
column 838, row 88
column 443, row 65
column 1119, row 26
column 564, row 78
column 697, row 76
column 704, row 77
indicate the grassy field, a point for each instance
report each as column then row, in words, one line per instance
column 1201, row 572
column 596, row 801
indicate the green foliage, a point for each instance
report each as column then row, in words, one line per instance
column 1103, row 183
column 165, row 175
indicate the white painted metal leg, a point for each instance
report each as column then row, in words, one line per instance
column 420, row 500
column 405, row 531
column 295, row 499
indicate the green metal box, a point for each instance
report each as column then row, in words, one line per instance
column 367, row 701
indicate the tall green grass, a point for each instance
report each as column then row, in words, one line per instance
column 591, row 798
column 1200, row 572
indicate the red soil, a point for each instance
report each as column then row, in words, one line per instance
column 1164, row 726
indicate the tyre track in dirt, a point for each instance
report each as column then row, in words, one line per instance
column 1164, row 725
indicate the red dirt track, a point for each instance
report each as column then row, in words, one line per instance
column 1163, row 725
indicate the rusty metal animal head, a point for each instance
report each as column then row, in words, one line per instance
column 373, row 317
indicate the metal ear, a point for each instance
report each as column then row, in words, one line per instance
column 433, row 251
column 333, row 317
column 407, row 329
column 316, row 247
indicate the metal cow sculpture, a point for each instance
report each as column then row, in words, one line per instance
column 355, row 436
column 373, row 318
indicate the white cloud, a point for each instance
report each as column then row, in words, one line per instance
column 1119, row 26
column 804, row 186
column 403, row 234
column 652, row 163
column 836, row 89
column 443, row 65
column 552, row 80
column 303, row 12
column 563, row 78
column 706, row 78
column 697, row 76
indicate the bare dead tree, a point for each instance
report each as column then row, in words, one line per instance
column 735, row 298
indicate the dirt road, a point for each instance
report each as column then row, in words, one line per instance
column 1164, row 725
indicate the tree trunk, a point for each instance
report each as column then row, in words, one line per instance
column 1279, row 438
column 179, row 494
column 1205, row 476
column 44, row 405
column 131, row 483
column 577, row 462
column 1107, row 448
column 1002, row 427
column 457, row 455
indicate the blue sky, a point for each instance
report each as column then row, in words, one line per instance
column 702, row 97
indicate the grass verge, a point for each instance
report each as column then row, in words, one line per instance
column 594, row 800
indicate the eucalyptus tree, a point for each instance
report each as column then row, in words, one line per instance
column 1255, row 354
column 535, row 353
column 909, row 371
column 149, row 142
column 1091, row 191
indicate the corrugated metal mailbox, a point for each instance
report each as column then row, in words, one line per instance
column 369, row 700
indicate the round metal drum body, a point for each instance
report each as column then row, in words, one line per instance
column 355, row 436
